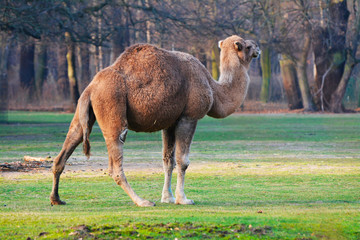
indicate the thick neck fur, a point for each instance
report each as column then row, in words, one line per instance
column 230, row 91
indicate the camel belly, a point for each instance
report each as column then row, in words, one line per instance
column 152, row 124
column 149, row 111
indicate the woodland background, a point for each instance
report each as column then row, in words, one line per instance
column 51, row 49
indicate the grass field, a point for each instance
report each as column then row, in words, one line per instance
column 251, row 176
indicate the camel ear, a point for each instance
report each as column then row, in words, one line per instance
column 220, row 43
column 238, row 46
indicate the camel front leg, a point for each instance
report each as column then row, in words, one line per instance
column 183, row 137
column 168, row 137
column 115, row 150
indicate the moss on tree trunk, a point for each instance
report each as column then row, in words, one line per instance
column 214, row 64
column 336, row 105
column 290, row 82
column 266, row 74
column 70, row 57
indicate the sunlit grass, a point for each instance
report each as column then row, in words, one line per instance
column 299, row 175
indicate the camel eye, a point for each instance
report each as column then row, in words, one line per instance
column 239, row 46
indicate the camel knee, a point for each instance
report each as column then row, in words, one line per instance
column 119, row 179
column 183, row 165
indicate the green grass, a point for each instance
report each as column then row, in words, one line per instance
column 301, row 171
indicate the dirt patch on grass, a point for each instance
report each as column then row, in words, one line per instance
column 80, row 166
column 186, row 230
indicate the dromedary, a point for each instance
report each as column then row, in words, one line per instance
column 149, row 89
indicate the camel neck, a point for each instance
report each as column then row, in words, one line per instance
column 230, row 91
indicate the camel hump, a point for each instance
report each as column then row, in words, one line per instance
column 136, row 51
column 141, row 47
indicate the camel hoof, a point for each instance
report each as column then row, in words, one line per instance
column 185, row 201
column 57, row 202
column 145, row 203
column 168, row 200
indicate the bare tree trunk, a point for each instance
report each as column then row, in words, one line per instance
column 4, row 53
column 84, row 66
column 215, row 58
column 40, row 66
column 117, row 45
column 70, row 57
column 329, row 46
column 62, row 81
column 137, row 17
column 351, row 60
column 290, row 82
column 336, row 105
column 121, row 37
column 266, row 74
column 27, row 74
column 214, row 50
column 302, row 75
column 100, row 50
column 149, row 25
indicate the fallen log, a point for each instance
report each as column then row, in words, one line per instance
column 20, row 166
column 37, row 159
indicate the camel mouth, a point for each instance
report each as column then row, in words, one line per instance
column 257, row 53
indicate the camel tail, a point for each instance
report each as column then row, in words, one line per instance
column 85, row 116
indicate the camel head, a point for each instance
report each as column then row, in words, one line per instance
column 245, row 50
column 253, row 48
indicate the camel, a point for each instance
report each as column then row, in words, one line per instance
column 150, row 89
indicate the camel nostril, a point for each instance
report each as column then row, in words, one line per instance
column 257, row 53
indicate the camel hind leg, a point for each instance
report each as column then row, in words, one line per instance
column 115, row 151
column 73, row 138
column 113, row 124
column 115, row 134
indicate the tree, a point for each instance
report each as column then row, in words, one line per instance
column 84, row 66
column 330, row 50
column 27, row 71
column 352, row 44
column 62, row 79
column 121, row 35
column 266, row 73
column 302, row 72
column 4, row 52
column 295, row 44
column 291, row 83
column 267, row 29
column 40, row 63
column 73, row 82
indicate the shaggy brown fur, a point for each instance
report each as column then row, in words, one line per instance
column 149, row 89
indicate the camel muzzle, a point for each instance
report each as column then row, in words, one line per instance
column 257, row 53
